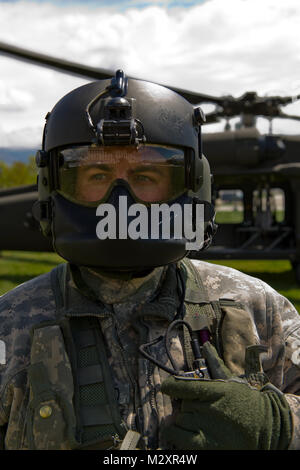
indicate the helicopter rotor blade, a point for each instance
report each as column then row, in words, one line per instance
column 288, row 116
column 227, row 106
column 86, row 71
column 54, row 63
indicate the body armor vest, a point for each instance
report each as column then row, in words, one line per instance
column 72, row 398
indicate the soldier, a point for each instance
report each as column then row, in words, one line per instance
column 131, row 344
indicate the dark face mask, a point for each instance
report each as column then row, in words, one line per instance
column 75, row 237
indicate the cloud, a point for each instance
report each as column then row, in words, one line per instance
column 23, row 137
column 14, row 99
column 213, row 47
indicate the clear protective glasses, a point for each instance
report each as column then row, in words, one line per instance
column 152, row 173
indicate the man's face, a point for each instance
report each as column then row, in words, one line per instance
column 146, row 172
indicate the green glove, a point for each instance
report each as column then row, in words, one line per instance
column 226, row 415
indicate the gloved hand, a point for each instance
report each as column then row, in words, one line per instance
column 226, row 415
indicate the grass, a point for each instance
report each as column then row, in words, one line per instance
column 237, row 217
column 17, row 267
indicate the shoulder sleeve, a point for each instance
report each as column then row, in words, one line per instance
column 286, row 322
column 20, row 309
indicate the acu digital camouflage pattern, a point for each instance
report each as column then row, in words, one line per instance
column 132, row 313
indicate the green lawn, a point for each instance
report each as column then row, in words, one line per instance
column 18, row 267
column 237, row 217
column 234, row 217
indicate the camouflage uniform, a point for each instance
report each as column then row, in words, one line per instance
column 262, row 317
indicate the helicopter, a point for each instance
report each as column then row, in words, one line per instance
column 256, row 178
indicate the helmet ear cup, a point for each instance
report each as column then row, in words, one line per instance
column 201, row 179
column 202, row 195
column 198, row 177
column 42, row 207
column 204, row 175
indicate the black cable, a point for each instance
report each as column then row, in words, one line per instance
column 142, row 348
column 152, row 359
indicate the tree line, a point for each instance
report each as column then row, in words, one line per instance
column 17, row 173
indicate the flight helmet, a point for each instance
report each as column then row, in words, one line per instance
column 111, row 150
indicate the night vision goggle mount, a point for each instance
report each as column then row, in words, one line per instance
column 118, row 125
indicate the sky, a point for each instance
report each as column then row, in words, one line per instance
column 216, row 47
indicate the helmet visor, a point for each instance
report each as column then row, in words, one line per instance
column 153, row 173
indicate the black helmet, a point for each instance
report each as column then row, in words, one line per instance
column 124, row 120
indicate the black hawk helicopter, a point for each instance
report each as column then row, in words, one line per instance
column 256, row 178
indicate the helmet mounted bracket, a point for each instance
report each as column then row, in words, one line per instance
column 117, row 125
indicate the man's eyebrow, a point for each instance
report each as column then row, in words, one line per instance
column 143, row 168
column 97, row 166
